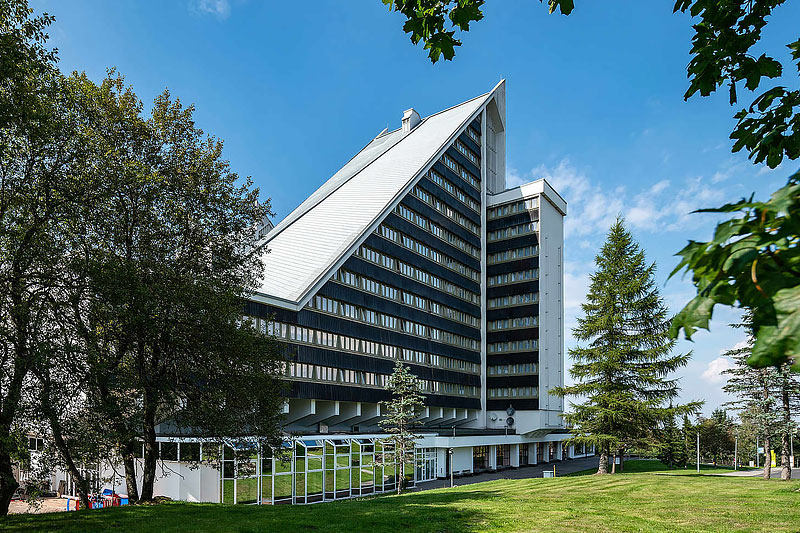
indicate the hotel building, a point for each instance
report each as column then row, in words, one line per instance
column 417, row 251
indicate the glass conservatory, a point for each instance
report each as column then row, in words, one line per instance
column 312, row 469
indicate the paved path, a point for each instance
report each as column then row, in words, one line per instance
column 562, row 467
column 775, row 472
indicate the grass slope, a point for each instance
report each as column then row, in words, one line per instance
column 648, row 501
column 638, row 466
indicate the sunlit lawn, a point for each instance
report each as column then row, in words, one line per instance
column 633, row 501
column 638, row 466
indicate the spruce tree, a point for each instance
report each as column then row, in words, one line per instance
column 788, row 386
column 622, row 367
column 766, row 398
column 671, row 448
column 687, row 432
column 401, row 412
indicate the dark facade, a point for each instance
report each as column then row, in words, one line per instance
column 411, row 291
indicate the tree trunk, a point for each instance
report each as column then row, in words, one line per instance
column 401, row 467
column 786, row 468
column 129, row 463
column 621, row 460
column 8, row 484
column 767, row 458
column 13, row 393
column 150, row 451
column 614, row 463
column 81, row 483
column 602, row 467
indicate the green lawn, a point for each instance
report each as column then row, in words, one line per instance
column 638, row 466
column 644, row 501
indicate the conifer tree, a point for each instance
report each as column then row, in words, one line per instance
column 789, row 390
column 766, row 398
column 672, row 449
column 687, row 430
column 401, row 413
column 622, row 368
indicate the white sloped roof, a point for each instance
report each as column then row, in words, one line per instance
column 306, row 247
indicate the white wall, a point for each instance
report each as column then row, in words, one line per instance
column 551, row 311
column 462, row 459
column 179, row 481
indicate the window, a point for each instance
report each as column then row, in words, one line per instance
column 513, row 231
column 425, row 251
column 454, row 191
column 513, row 277
column 469, row 154
column 351, row 344
column 513, row 346
column 459, row 170
column 517, row 299
column 514, row 323
column 420, row 275
column 513, row 208
column 370, row 316
column 190, row 451
column 169, row 451
column 513, row 392
column 475, row 135
column 480, row 458
column 436, row 230
column 512, row 369
column 513, row 255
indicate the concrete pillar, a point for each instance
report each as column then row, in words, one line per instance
column 571, row 451
column 492, row 457
column 559, row 451
column 515, row 455
column 441, row 463
column 531, row 453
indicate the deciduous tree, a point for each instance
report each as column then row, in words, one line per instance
column 42, row 155
column 716, row 436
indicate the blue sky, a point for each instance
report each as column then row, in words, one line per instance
column 595, row 105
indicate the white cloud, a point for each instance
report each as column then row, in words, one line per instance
column 576, row 285
column 592, row 208
column 714, row 369
column 514, row 179
column 219, row 8
column 663, row 206
column 719, row 177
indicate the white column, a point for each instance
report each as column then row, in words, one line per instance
column 492, row 457
column 559, row 450
column 534, row 453
column 441, row 463
column 515, row 455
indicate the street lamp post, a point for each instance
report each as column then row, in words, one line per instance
column 698, row 452
column 450, row 452
column 736, row 452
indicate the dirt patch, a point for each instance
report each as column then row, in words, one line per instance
column 44, row 505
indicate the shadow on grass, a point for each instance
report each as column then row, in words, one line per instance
column 430, row 511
